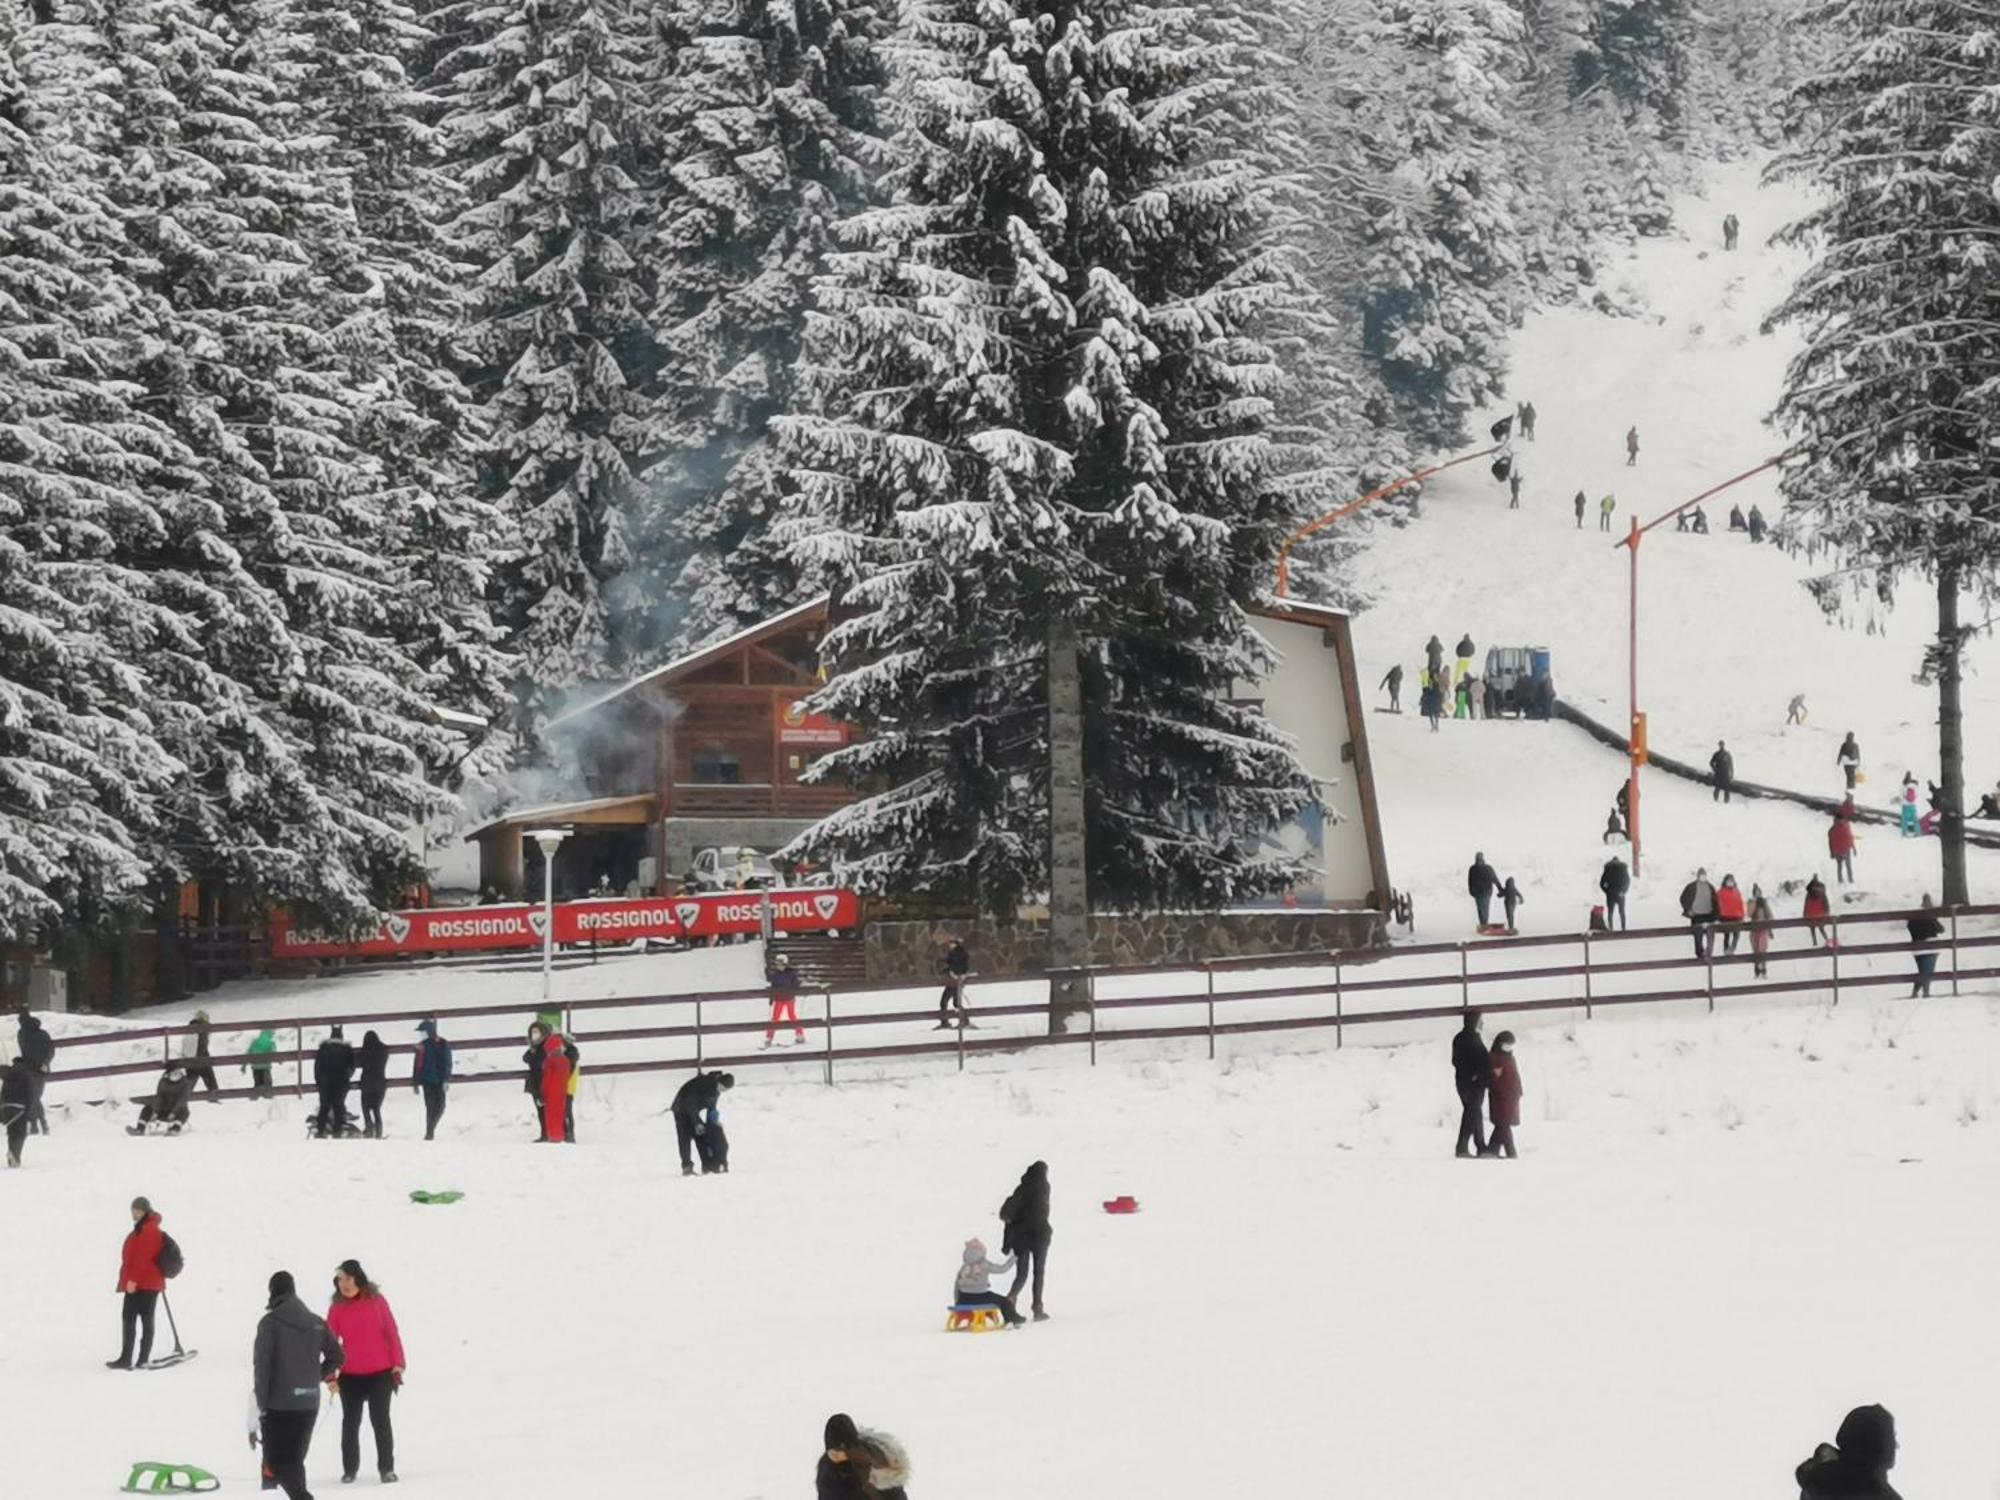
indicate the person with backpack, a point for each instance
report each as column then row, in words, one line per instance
column 694, row 1102
column 1026, row 1215
column 38, row 1051
column 431, row 1073
column 294, row 1355
column 262, row 1046
column 1471, row 1067
column 371, row 1369
column 784, row 983
column 16, row 1103
column 1925, row 928
column 1504, row 1091
column 1615, row 881
column 1481, row 882
column 1856, row 1465
column 1698, row 906
column 374, row 1083
column 333, row 1075
column 1722, row 767
column 858, row 1464
column 141, row 1279
column 1848, row 758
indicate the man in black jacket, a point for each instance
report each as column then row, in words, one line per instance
column 1615, row 882
column 333, row 1074
column 294, row 1354
column 1722, row 766
column 1471, row 1066
column 1858, row 1467
column 15, row 1092
column 1925, row 928
column 693, row 1104
column 955, row 965
column 1480, row 884
column 38, row 1051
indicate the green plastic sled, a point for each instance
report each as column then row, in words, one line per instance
column 448, row 1196
column 149, row 1478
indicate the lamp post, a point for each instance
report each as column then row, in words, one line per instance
column 549, row 840
column 1635, row 739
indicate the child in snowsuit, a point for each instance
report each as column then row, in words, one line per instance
column 1816, row 910
column 974, row 1286
column 1909, row 809
column 259, row 1066
column 1510, row 898
column 1504, row 1096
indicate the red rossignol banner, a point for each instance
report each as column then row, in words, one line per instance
column 475, row 929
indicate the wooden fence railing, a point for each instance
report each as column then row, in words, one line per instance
column 1321, row 990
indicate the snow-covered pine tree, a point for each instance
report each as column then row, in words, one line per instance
column 759, row 132
column 1640, row 51
column 539, row 93
column 1049, row 405
column 1892, row 400
column 1446, row 253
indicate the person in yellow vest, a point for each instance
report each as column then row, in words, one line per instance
column 569, row 1104
column 1604, row 508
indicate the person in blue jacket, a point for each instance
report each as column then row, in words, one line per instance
column 432, row 1074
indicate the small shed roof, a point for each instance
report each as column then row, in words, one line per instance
column 594, row 810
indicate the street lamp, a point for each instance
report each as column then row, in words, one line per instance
column 549, row 840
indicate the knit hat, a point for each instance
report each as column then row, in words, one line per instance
column 1868, row 1436
column 728, row 1080
column 143, row 1204
column 840, row 1430
column 975, row 1249
column 282, row 1285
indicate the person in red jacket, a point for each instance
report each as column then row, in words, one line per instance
column 140, row 1284
column 372, row 1370
column 1729, row 912
column 1816, row 910
column 1840, row 843
column 1504, row 1096
column 555, row 1086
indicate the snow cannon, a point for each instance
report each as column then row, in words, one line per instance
column 1125, row 1204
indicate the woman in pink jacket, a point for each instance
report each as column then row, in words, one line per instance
column 373, row 1370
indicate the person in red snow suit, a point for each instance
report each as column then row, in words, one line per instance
column 1729, row 912
column 1503, row 1097
column 555, row 1086
column 140, row 1282
column 1816, row 910
column 371, row 1372
column 1840, row 844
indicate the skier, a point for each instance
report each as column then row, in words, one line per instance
column 1729, row 913
column 1722, row 766
column 1470, row 1068
column 294, row 1355
column 1393, row 681
column 955, row 965
column 1816, row 910
column 333, row 1074
column 694, row 1102
column 1848, row 758
column 1580, row 502
column 1514, row 487
column 1925, row 928
column 858, row 1464
column 194, row 1048
column 38, row 1051
column 1431, row 700
column 1729, row 231
column 1510, row 901
column 974, row 1284
column 259, row 1066
column 1795, row 711
column 1856, row 1465
column 1698, row 906
column 1757, row 525
column 1760, row 931
column 1026, row 1215
column 1480, row 884
column 1909, row 806
column 432, row 1074
column 556, row 1064
column 1615, row 882
column 374, row 1083
column 1527, row 415
column 140, row 1282
column 1604, row 508
column 1631, row 446
column 16, row 1104
column 784, row 983
column 169, row 1102
column 1434, row 655
column 371, row 1370
column 1504, row 1102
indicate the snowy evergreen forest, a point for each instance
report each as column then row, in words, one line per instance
column 370, row 363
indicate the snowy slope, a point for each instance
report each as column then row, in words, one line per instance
column 1723, row 1234
column 1728, row 633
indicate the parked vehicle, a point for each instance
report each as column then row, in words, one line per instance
column 732, row 867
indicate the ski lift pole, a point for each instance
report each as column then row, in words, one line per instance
column 1284, row 582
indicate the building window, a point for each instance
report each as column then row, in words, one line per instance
column 716, row 766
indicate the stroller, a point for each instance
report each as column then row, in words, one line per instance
column 168, row 1106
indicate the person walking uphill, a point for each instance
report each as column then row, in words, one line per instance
column 371, row 1370
column 692, row 1104
column 1480, row 884
column 1615, row 882
column 1470, row 1068
column 1840, row 843
column 1699, row 907
column 1848, row 758
column 1581, row 501
column 294, row 1355
column 374, row 1083
column 1026, row 1215
column 1925, row 928
column 1856, row 1465
column 1504, row 1082
column 1631, row 446
column 856, row 1463
column 432, row 1074
column 1722, row 767
column 140, row 1282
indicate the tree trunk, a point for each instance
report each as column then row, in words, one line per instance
column 1951, row 741
column 1069, row 879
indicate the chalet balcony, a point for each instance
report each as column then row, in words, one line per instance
column 757, row 799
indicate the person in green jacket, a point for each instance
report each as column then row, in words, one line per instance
column 260, row 1071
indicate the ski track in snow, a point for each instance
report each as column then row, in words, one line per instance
column 1724, row 1233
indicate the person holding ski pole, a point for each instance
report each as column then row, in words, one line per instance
column 140, row 1282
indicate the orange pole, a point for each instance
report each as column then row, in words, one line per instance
column 1285, row 550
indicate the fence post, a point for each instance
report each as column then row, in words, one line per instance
column 1208, row 977
column 1954, row 950
column 1833, row 947
column 1586, row 977
column 1707, row 929
column 1464, row 981
column 829, row 1037
column 298, row 1059
column 1339, row 1018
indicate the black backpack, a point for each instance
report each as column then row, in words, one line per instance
column 169, row 1259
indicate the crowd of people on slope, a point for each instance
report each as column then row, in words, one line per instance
column 1454, row 690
